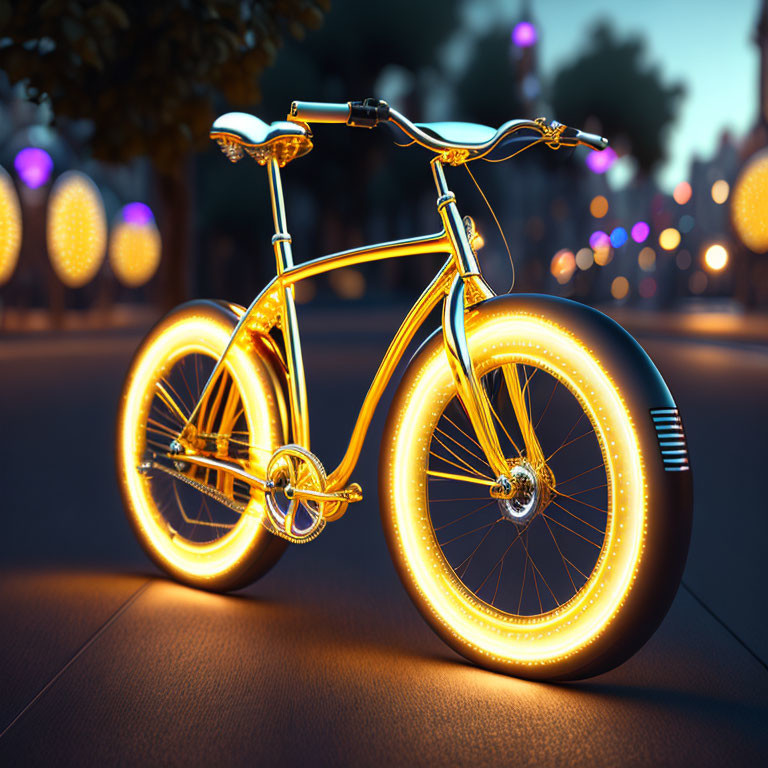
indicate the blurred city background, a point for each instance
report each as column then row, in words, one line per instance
column 114, row 205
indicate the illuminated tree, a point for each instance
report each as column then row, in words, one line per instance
column 611, row 82
column 148, row 75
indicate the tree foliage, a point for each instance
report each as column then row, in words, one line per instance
column 486, row 92
column 611, row 82
column 146, row 73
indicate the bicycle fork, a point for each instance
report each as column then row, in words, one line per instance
column 470, row 390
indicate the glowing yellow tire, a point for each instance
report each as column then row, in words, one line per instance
column 639, row 566
column 246, row 550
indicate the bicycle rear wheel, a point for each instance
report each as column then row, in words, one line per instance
column 571, row 579
column 201, row 526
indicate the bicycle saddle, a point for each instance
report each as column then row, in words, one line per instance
column 239, row 132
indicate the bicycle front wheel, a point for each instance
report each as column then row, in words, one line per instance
column 571, row 579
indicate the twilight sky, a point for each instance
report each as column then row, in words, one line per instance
column 706, row 44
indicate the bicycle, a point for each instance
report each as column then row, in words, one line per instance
column 534, row 484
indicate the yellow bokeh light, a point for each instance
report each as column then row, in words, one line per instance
column 134, row 252
column 603, row 255
column 646, row 259
column 10, row 227
column 584, row 258
column 619, row 287
column 598, row 207
column 749, row 204
column 716, row 257
column 669, row 239
column 720, row 191
column 77, row 229
column 563, row 266
column 348, row 283
column 682, row 193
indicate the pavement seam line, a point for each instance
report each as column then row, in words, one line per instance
column 741, row 642
column 83, row 648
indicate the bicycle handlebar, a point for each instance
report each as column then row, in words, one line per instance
column 371, row 112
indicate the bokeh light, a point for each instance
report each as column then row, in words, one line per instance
column 563, row 266
column 137, row 213
column 77, row 229
column 647, row 288
column 720, row 191
column 601, row 245
column 686, row 223
column 34, row 166
column 682, row 193
column 697, row 282
column 749, row 204
column 619, row 287
column 619, row 236
column 599, row 161
column 716, row 257
column 646, row 259
column 640, row 231
column 348, row 283
column 10, row 227
column 683, row 259
column 584, row 258
column 598, row 207
column 524, row 34
column 134, row 246
column 669, row 239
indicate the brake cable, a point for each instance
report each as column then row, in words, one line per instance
column 501, row 231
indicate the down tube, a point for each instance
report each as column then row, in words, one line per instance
column 428, row 300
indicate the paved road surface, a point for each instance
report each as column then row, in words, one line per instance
column 325, row 661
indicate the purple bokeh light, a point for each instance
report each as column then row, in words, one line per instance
column 598, row 240
column 34, row 166
column 640, row 231
column 138, row 214
column 599, row 161
column 524, row 34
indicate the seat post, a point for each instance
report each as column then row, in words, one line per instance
column 281, row 241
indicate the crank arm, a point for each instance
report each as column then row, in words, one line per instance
column 350, row 494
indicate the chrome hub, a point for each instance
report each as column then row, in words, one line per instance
column 518, row 493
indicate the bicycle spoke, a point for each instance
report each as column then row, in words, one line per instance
column 467, row 533
column 581, row 520
column 456, row 456
column 474, row 511
column 461, row 445
column 562, row 557
column 579, row 501
column 589, row 541
column 459, row 478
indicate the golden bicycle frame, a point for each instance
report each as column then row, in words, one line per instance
column 459, row 283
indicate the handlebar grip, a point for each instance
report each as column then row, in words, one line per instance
column 319, row 112
column 591, row 140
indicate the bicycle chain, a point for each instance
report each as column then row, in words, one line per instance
column 231, row 503
column 215, row 494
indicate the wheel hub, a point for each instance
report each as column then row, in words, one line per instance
column 522, row 492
